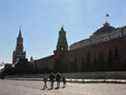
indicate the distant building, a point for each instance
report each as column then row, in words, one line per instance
column 19, row 52
column 105, row 33
column 62, row 45
column 31, row 59
column 104, row 50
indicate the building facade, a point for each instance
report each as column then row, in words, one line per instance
column 105, row 50
column 105, row 33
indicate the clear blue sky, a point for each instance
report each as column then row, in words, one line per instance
column 41, row 20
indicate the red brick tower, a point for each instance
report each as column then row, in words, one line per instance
column 19, row 52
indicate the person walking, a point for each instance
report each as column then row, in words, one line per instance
column 52, row 77
column 58, row 79
column 45, row 79
column 64, row 81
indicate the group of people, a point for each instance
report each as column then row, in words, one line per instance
column 52, row 78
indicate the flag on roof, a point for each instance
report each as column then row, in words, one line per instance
column 107, row 15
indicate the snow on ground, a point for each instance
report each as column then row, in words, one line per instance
column 12, row 87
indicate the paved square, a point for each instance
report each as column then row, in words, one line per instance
column 12, row 87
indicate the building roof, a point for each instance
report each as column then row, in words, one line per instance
column 105, row 29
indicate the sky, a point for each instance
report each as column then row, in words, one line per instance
column 41, row 21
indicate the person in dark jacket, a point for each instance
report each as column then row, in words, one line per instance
column 58, row 79
column 64, row 81
column 45, row 79
column 51, row 78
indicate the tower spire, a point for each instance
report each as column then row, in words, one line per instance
column 62, row 28
column 20, row 34
column 19, row 52
column 62, row 44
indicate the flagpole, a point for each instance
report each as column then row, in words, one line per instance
column 106, row 18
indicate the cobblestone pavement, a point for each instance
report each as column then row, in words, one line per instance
column 12, row 87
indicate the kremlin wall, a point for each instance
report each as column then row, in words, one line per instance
column 104, row 50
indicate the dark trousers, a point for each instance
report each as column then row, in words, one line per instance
column 52, row 83
column 58, row 84
column 64, row 84
column 45, row 85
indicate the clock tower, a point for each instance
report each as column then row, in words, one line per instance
column 19, row 52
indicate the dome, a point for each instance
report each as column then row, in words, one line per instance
column 105, row 29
